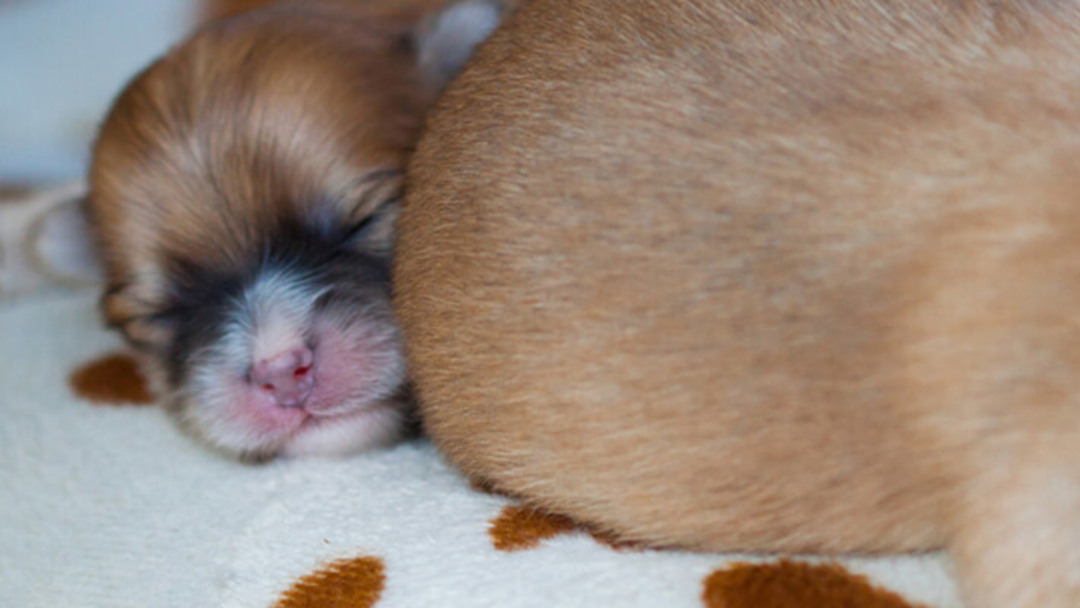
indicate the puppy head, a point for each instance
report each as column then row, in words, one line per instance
column 243, row 191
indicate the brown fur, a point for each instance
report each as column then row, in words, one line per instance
column 213, row 10
column 200, row 173
column 765, row 276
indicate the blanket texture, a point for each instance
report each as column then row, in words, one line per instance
column 104, row 503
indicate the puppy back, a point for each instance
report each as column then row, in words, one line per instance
column 652, row 251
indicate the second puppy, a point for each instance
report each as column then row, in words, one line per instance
column 243, row 192
column 765, row 276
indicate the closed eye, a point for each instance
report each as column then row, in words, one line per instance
column 356, row 230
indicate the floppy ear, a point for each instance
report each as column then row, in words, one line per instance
column 445, row 40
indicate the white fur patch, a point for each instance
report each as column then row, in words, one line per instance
column 369, row 428
column 278, row 307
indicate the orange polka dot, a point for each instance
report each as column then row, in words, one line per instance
column 519, row 528
column 346, row 583
column 788, row 584
column 112, row 379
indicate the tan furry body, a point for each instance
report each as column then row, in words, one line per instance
column 765, row 276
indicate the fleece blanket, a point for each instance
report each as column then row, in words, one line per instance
column 104, row 503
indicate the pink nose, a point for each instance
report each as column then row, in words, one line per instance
column 287, row 377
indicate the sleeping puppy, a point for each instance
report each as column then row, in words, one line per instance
column 765, row 275
column 243, row 192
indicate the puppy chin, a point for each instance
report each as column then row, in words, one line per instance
column 234, row 426
column 374, row 426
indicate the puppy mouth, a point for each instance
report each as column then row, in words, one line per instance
column 238, row 414
column 312, row 382
column 344, row 412
column 333, row 412
column 345, row 408
column 330, row 398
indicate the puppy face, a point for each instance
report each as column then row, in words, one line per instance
column 244, row 190
column 300, row 351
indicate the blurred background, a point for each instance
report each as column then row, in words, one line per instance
column 63, row 61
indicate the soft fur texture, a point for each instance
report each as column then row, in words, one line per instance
column 770, row 276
